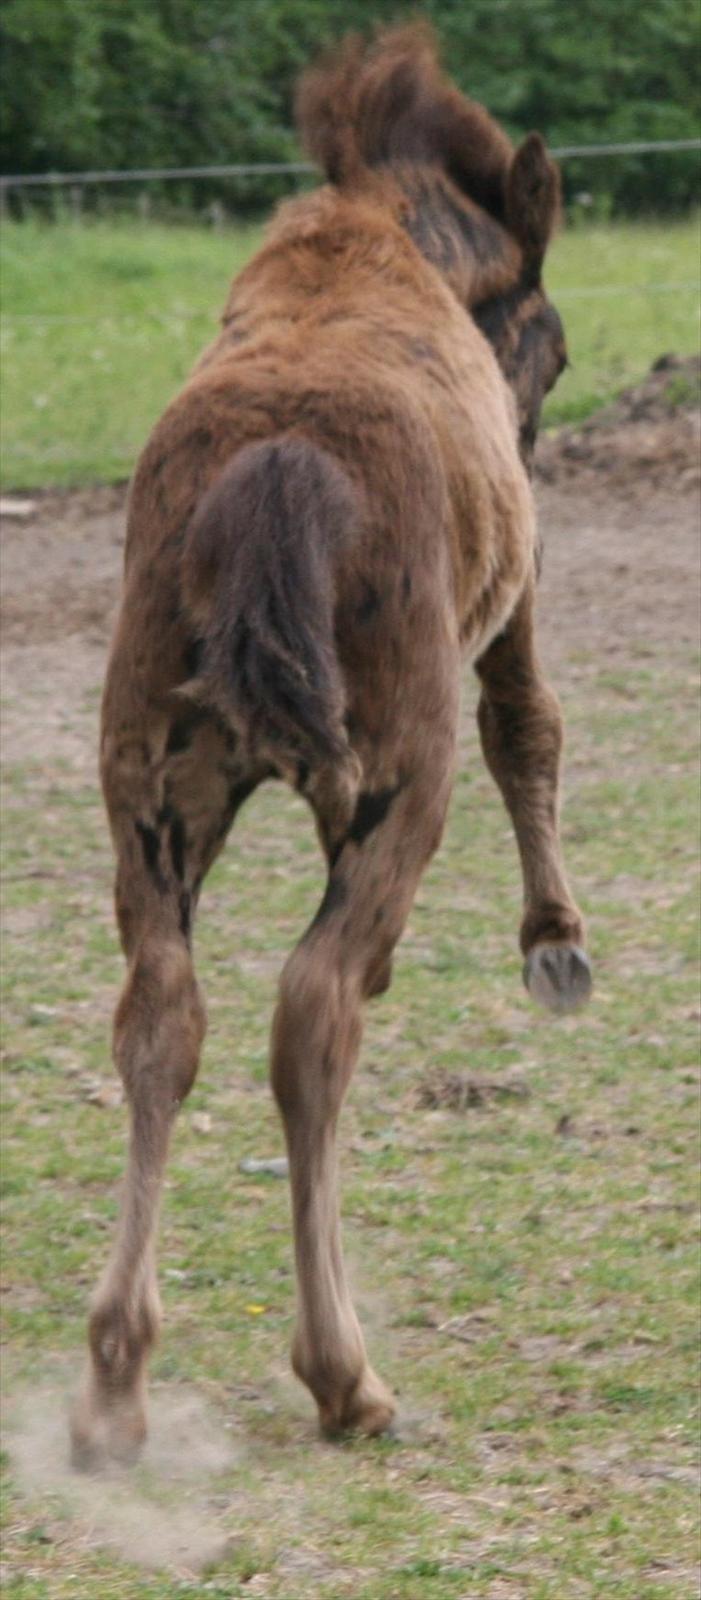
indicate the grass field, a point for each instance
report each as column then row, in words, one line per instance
column 526, row 1270
column 103, row 321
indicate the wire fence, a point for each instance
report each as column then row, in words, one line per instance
column 31, row 180
column 598, row 180
column 147, row 326
column 241, row 169
column 75, row 181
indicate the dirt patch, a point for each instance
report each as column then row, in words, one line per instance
column 60, row 566
column 618, row 508
column 648, row 438
column 618, row 503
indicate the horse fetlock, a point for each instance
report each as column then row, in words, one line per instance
column 554, row 921
column 367, row 1407
column 348, row 1394
column 108, row 1417
column 120, row 1337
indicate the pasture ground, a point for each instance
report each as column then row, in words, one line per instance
column 525, row 1254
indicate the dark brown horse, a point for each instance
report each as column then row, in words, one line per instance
column 333, row 511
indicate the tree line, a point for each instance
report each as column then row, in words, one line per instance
column 131, row 83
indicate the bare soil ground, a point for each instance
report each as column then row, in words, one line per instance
column 618, row 501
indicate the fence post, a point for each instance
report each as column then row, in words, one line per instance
column 216, row 215
column 55, row 191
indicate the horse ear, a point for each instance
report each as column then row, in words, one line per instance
column 532, row 199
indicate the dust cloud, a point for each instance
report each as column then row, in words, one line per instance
column 161, row 1513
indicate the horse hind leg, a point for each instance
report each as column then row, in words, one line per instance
column 169, row 817
column 344, row 959
column 159, row 1028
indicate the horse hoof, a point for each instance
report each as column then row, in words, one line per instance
column 369, row 1409
column 98, row 1454
column 100, row 1439
column 558, row 976
column 87, row 1455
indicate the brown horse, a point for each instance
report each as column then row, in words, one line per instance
column 333, row 510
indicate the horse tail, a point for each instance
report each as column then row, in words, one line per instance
column 259, row 587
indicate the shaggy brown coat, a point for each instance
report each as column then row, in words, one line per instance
column 331, row 513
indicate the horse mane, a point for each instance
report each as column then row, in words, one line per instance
column 369, row 103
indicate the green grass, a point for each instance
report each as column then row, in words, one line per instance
column 554, row 1455
column 103, row 324
column 627, row 293
column 103, row 321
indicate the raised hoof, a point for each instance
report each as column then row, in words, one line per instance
column 558, row 976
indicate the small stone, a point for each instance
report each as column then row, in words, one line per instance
column 107, row 1095
column 275, row 1167
column 201, row 1122
column 17, row 508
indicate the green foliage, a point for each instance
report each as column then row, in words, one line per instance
column 116, row 83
